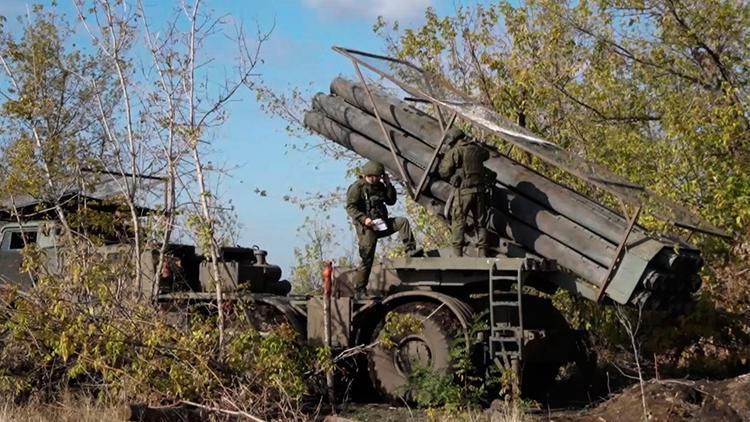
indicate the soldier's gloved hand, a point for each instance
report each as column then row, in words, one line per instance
column 368, row 222
column 386, row 179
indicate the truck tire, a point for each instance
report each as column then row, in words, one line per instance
column 390, row 368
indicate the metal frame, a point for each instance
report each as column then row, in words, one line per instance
column 428, row 96
column 387, row 135
column 413, row 193
column 428, row 169
column 351, row 55
column 620, row 252
column 603, row 183
column 511, row 361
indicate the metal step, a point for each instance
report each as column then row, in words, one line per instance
column 502, row 278
column 504, row 303
column 506, row 332
column 504, row 339
column 496, row 293
column 506, row 292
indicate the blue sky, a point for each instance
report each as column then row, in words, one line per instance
column 298, row 54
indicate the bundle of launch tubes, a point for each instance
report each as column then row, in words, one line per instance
column 545, row 218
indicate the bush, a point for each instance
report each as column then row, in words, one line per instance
column 77, row 332
column 466, row 386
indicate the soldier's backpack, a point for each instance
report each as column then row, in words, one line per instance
column 472, row 165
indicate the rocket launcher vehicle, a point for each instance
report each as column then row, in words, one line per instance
column 543, row 217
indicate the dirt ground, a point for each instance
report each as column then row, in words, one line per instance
column 668, row 400
column 665, row 400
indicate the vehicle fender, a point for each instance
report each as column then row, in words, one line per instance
column 377, row 310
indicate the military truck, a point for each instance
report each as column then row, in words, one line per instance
column 448, row 294
column 546, row 237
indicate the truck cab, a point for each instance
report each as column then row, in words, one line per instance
column 14, row 237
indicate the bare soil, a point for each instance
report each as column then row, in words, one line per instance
column 666, row 400
column 669, row 400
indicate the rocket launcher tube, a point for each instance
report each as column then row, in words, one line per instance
column 599, row 219
column 421, row 132
column 527, row 182
column 418, row 152
column 500, row 223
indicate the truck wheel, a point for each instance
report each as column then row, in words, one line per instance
column 427, row 348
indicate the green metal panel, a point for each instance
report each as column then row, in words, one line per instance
column 631, row 269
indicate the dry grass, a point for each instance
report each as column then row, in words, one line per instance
column 67, row 411
column 507, row 413
column 88, row 411
column 501, row 412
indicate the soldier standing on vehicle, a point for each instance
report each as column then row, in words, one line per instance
column 463, row 166
column 366, row 202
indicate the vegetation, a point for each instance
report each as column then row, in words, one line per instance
column 116, row 351
column 656, row 91
column 466, row 387
column 73, row 118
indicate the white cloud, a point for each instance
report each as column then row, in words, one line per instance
column 389, row 9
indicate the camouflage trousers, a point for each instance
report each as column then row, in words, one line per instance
column 468, row 201
column 368, row 241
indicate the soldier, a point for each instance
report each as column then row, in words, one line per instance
column 463, row 166
column 366, row 202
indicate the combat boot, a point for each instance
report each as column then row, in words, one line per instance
column 360, row 292
column 415, row 252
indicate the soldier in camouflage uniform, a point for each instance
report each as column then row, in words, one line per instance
column 463, row 166
column 366, row 202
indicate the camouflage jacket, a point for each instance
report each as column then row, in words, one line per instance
column 463, row 165
column 365, row 200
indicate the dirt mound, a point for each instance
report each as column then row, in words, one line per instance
column 672, row 400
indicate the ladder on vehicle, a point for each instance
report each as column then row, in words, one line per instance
column 506, row 337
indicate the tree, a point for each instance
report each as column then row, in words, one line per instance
column 110, row 110
column 113, row 111
column 188, row 110
column 311, row 258
column 48, row 132
column 656, row 90
column 615, row 81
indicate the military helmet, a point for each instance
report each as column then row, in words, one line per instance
column 454, row 134
column 373, row 168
